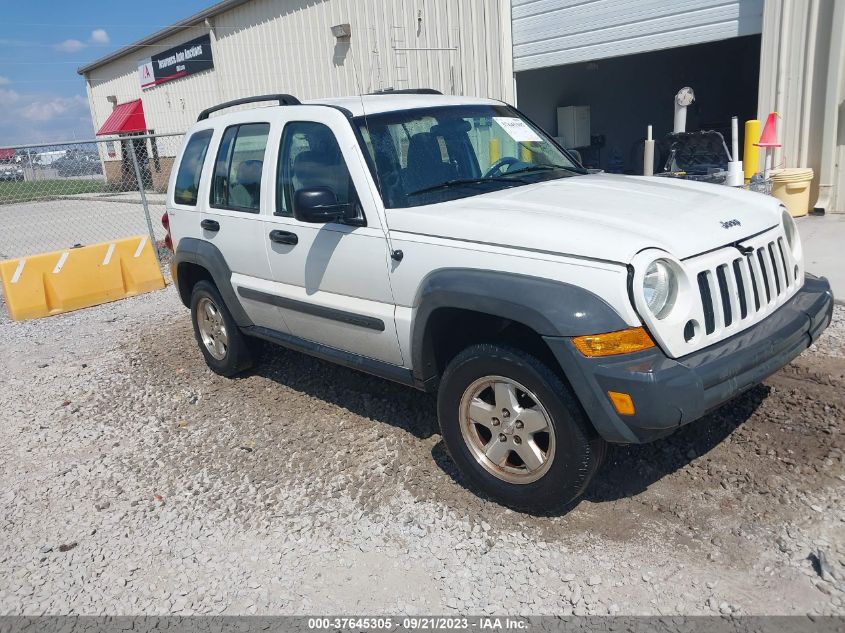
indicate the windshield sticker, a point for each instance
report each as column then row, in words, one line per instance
column 517, row 129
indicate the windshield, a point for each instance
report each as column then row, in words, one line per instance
column 432, row 155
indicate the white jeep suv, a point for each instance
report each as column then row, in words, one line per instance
column 449, row 244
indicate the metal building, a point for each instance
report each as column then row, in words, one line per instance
column 311, row 49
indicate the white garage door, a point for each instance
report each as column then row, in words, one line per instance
column 556, row 32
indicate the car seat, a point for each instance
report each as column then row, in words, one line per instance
column 246, row 192
column 425, row 163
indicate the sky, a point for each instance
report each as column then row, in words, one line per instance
column 42, row 43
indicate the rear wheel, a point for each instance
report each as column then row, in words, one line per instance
column 515, row 430
column 224, row 348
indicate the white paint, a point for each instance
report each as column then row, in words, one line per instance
column 18, row 271
column 60, row 264
column 669, row 331
column 601, row 216
column 582, row 230
column 140, row 248
column 109, row 253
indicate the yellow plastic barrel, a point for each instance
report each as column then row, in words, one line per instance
column 751, row 153
column 792, row 187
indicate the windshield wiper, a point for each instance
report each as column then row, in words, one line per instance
column 542, row 168
column 461, row 182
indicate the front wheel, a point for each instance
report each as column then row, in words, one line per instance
column 515, row 429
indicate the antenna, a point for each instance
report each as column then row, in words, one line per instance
column 395, row 255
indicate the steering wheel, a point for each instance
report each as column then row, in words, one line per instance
column 499, row 164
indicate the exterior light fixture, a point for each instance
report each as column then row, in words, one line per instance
column 342, row 31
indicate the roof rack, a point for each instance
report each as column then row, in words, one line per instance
column 283, row 99
column 406, row 91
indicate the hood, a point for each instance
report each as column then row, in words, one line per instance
column 599, row 216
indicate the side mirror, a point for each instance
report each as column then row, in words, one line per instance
column 318, row 205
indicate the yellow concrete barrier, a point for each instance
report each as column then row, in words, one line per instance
column 52, row 283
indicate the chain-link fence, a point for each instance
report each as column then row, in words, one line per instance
column 54, row 197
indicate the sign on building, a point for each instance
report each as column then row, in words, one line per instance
column 180, row 61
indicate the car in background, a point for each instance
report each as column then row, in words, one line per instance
column 11, row 173
column 77, row 164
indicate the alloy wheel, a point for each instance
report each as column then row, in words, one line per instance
column 507, row 429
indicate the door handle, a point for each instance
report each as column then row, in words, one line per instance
column 210, row 225
column 283, row 237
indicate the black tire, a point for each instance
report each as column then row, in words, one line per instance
column 578, row 449
column 238, row 354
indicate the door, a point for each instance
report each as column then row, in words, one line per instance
column 332, row 279
column 232, row 219
column 558, row 32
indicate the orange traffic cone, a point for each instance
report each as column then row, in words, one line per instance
column 769, row 137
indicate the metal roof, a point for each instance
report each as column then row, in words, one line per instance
column 193, row 20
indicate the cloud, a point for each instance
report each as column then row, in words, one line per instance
column 99, row 36
column 42, row 117
column 70, row 46
column 4, row 81
column 53, row 108
column 8, row 97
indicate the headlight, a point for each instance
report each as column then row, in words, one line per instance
column 790, row 230
column 660, row 287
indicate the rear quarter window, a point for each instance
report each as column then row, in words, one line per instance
column 190, row 169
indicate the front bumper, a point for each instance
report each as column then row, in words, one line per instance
column 668, row 393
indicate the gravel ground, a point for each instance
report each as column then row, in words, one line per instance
column 135, row 481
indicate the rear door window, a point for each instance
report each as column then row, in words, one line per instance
column 190, row 169
column 237, row 171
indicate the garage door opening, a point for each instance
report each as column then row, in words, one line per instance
column 626, row 94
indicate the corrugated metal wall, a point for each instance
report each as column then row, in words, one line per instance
column 557, row 32
column 801, row 78
column 268, row 46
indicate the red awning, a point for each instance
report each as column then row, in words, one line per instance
column 125, row 118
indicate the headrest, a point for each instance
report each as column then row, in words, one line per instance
column 423, row 147
column 249, row 172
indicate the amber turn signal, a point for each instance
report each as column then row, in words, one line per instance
column 621, row 402
column 634, row 339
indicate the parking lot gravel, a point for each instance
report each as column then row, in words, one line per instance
column 135, row 481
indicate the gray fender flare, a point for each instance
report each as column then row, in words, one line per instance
column 202, row 253
column 550, row 308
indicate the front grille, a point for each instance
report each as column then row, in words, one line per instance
column 725, row 291
column 740, row 289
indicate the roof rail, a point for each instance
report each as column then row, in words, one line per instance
column 283, row 99
column 406, row 91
